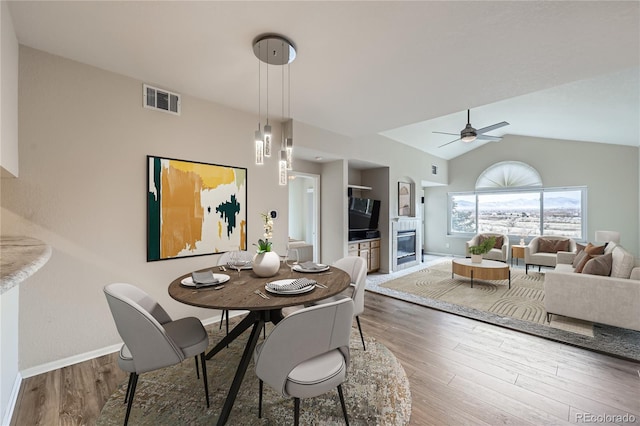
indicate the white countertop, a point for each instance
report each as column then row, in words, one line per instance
column 20, row 257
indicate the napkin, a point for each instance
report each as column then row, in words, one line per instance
column 204, row 278
column 311, row 266
column 298, row 284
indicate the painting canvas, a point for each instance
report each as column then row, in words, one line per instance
column 404, row 199
column 194, row 208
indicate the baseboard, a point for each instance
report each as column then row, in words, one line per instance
column 13, row 398
column 65, row 362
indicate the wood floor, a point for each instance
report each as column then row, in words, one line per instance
column 462, row 372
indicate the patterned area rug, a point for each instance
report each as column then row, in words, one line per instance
column 376, row 392
column 520, row 308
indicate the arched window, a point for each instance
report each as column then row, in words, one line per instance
column 509, row 174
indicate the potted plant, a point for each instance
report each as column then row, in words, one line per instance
column 266, row 262
column 484, row 247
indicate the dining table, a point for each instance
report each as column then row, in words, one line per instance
column 242, row 292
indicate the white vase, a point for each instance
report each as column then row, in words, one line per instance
column 266, row 264
column 476, row 258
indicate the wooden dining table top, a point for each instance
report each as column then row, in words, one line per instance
column 239, row 292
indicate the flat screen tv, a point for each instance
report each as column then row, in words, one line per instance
column 363, row 213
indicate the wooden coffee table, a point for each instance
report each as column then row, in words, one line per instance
column 487, row 270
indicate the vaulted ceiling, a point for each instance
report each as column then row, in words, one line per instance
column 566, row 70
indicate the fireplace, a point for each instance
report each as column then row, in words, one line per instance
column 406, row 241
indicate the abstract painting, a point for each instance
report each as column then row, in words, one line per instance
column 194, row 208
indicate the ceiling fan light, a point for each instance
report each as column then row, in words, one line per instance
column 468, row 138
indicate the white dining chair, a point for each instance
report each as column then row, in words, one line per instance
column 356, row 267
column 307, row 354
column 152, row 340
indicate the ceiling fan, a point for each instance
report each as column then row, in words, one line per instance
column 469, row 134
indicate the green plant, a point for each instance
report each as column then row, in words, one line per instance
column 484, row 247
column 265, row 245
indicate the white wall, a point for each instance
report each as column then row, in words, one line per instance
column 9, row 347
column 333, row 211
column 9, row 301
column 8, row 94
column 84, row 138
column 608, row 171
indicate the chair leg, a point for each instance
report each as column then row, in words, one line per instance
column 227, row 322
column 361, row 336
column 260, row 385
column 134, row 383
column 203, row 361
column 344, row 406
column 126, row 395
column 296, row 411
column 197, row 368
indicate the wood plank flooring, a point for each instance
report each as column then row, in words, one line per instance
column 462, row 372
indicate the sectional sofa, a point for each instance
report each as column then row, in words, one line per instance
column 612, row 299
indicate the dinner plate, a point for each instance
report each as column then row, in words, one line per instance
column 222, row 278
column 300, row 268
column 288, row 281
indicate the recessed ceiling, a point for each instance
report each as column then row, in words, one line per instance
column 365, row 68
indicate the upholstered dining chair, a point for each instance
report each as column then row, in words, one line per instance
column 152, row 340
column 307, row 354
column 356, row 267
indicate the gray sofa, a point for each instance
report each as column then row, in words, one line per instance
column 612, row 300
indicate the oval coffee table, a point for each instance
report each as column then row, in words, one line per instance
column 487, row 270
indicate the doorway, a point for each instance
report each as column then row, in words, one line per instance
column 304, row 209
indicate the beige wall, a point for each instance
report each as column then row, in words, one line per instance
column 608, row 171
column 8, row 94
column 84, row 138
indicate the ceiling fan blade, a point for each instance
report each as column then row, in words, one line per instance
column 492, row 127
column 449, row 143
column 489, row 138
column 445, row 133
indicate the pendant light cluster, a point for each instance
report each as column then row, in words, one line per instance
column 274, row 50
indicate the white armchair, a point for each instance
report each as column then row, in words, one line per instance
column 543, row 251
column 499, row 252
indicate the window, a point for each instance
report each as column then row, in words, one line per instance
column 519, row 212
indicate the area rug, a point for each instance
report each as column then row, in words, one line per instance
column 376, row 392
column 520, row 308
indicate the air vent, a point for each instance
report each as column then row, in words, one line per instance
column 160, row 99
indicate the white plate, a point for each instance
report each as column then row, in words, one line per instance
column 222, row 278
column 288, row 281
column 300, row 268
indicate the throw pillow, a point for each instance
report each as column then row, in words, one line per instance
column 579, row 258
column 594, row 250
column 552, row 246
column 583, row 262
column 499, row 243
column 599, row 265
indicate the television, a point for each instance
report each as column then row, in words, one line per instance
column 363, row 213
